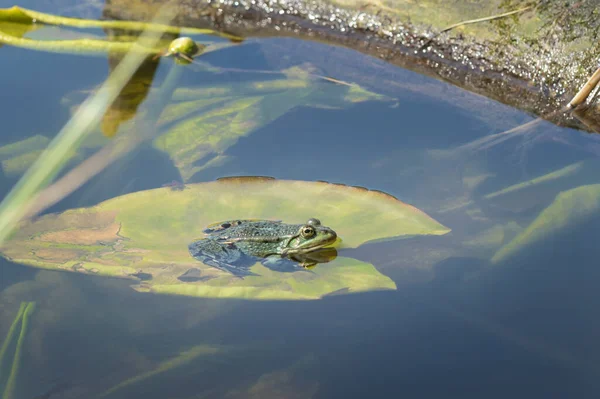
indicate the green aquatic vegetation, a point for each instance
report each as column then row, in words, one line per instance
column 15, row 158
column 569, row 208
column 147, row 233
column 543, row 189
column 9, row 339
column 181, row 360
column 17, row 203
column 9, row 382
column 224, row 115
column 493, row 238
column 19, row 164
column 202, row 122
column 15, row 22
column 35, row 143
column 293, row 382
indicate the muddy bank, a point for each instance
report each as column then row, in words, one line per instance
column 534, row 60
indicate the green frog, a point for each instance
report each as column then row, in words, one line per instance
column 236, row 245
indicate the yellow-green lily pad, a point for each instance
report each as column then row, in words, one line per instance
column 145, row 236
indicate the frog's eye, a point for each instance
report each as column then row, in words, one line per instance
column 314, row 222
column 307, row 231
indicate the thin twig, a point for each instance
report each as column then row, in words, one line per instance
column 277, row 72
column 474, row 21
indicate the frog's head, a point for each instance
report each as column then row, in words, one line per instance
column 310, row 237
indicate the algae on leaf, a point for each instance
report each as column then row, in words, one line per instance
column 144, row 236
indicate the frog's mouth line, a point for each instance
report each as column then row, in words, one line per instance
column 296, row 251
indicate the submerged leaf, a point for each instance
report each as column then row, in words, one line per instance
column 145, row 235
column 568, row 209
column 543, row 189
column 15, row 158
column 217, row 117
column 181, row 360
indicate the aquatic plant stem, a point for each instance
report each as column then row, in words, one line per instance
column 14, row 372
column 9, row 337
column 178, row 361
column 15, row 205
column 24, row 15
column 83, row 46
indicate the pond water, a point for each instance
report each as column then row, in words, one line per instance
column 504, row 305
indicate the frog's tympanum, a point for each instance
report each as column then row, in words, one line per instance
column 236, row 245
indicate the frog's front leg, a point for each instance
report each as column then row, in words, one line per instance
column 308, row 265
column 278, row 263
column 225, row 257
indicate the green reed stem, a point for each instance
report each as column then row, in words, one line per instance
column 9, row 337
column 14, row 372
column 84, row 46
column 24, row 15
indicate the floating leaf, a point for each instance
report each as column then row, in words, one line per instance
column 145, row 235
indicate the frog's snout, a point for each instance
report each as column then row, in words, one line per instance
column 332, row 234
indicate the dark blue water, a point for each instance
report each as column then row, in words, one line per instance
column 457, row 326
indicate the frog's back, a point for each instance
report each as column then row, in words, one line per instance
column 249, row 228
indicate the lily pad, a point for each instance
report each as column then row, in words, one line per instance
column 144, row 236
